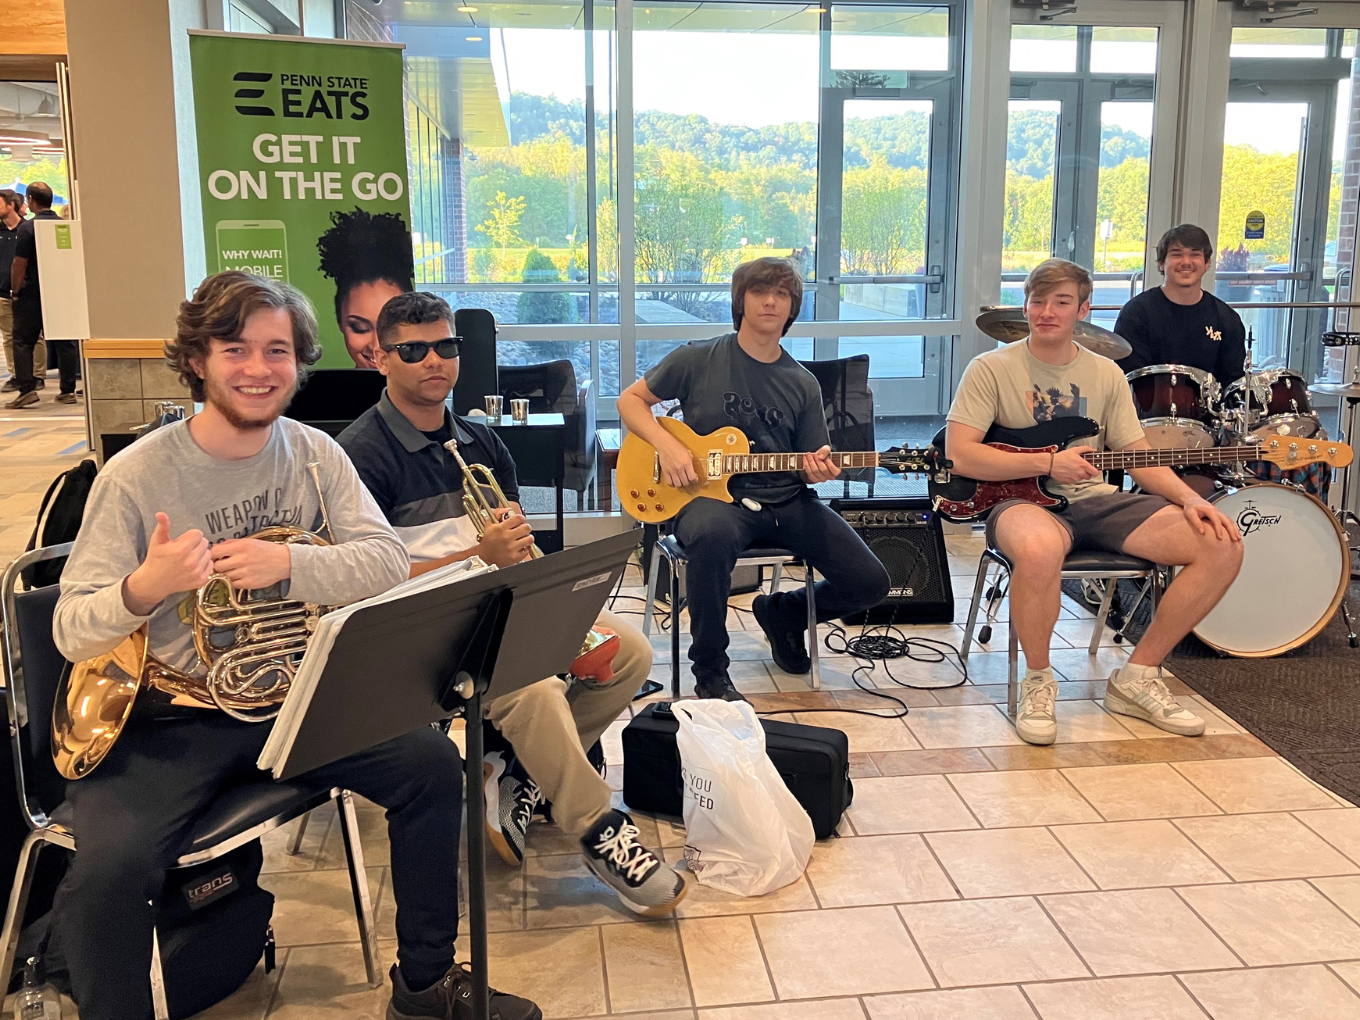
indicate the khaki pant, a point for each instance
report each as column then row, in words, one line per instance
column 7, row 332
column 551, row 725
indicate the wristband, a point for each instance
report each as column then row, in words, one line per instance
column 1051, row 455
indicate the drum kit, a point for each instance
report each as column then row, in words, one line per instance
column 1296, row 547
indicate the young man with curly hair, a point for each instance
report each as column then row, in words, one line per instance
column 164, row 515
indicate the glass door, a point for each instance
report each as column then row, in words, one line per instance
column 883, row 232
column 1284, row 141
column 1080, row 180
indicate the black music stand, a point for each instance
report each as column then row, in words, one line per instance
column 435, row 652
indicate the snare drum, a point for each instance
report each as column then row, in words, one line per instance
column 1176, row 404
column 1278, row 404
column 1295, row 568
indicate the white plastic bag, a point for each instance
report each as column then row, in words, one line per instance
column 746, row 833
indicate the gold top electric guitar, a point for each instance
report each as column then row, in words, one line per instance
column 718, row 456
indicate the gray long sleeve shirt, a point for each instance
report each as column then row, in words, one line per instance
column 168, row 472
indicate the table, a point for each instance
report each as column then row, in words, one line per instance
column 539, row 450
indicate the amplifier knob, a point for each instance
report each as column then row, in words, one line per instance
column 634, row 493
column 659, row 508
column 642, row 506
column 651, row 492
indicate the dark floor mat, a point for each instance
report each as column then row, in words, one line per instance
column 1305, row 704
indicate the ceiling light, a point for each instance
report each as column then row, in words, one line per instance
column 12, row 136
column 467, row 10
column 474, row 38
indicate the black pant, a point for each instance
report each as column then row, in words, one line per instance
column 27, row 332
column 134, row 815
column 714, row 534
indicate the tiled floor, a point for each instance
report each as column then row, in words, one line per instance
column 1120, row 873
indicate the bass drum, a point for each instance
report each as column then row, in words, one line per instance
column 1295, row 569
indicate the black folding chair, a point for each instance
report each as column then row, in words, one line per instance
column 32, row 668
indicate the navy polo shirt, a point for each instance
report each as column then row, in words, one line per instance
column 417, row 483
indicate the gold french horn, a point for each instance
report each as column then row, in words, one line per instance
column 251, row 645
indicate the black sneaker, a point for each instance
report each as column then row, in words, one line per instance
column 645, row 883
column 451, row 999
column 717, row 687
column 787, row 638
column 511, row 797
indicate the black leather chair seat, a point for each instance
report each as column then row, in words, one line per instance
column 674, row 548
column 234, row 811
column 1095, row 562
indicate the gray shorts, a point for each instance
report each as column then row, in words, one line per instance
column 1097, row 523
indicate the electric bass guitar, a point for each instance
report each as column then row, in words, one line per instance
column 965, row 499
column 644, row 494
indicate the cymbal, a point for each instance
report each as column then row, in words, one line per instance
column 1336, row 389
column 1008, row 325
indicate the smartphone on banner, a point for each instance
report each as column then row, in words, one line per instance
column 253, row 246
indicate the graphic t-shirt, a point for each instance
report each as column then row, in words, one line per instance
column 168, row 471
column 777, row 405
column 1012, row 388
column 1208, row 335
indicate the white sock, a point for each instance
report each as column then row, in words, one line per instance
column 1045, row 674
column 1133, row 671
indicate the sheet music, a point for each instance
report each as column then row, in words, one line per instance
column 294, row 708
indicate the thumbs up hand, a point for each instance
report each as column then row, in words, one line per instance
column 171, row 565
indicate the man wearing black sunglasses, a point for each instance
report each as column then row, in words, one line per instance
column 398, row 450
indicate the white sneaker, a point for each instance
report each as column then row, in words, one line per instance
column 1138, row 691
column 1035, row 721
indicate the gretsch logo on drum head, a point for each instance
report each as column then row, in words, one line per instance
column 1251, row 519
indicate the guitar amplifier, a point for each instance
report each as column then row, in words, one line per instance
column 907, row 537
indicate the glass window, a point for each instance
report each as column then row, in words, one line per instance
column 1044, row 48
column 1279, row 42
column 726, row 167
column 32, row 147
column 1123, row 50
column 1031, row 156
column 887, row 39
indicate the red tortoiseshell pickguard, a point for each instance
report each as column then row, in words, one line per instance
column 990, row 494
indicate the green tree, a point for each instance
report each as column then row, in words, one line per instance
column 541, row 306
column 1258, row 180
column 883, row 219
column 682, row 232
column 502, row 226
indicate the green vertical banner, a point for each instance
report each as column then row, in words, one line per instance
column 302, row 161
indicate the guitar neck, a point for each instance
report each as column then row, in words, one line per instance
column 1115, row 459
column 755, row 463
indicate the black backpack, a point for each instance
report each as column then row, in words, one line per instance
column 213, row 927
column 59, row 518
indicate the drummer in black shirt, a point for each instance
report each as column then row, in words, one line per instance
column 1179, row 323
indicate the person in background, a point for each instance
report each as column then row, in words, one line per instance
column 1180, row 323
column 11, row 215
column 26, row 298
column 368, row 255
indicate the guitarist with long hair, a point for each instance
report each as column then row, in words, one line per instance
column 748, row 380
column 1049, row 376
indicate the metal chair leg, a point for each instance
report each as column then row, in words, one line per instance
column 675, row 629
column 776, row 575
column 1012, row 670
column 814, row 639
column 159, row 1007
column 358, row 880
column 1102, row 613
column 299, row 831
column 651, row 591
column 984, row 568
column 18, row 899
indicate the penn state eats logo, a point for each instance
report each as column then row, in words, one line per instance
column 1251, row 519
